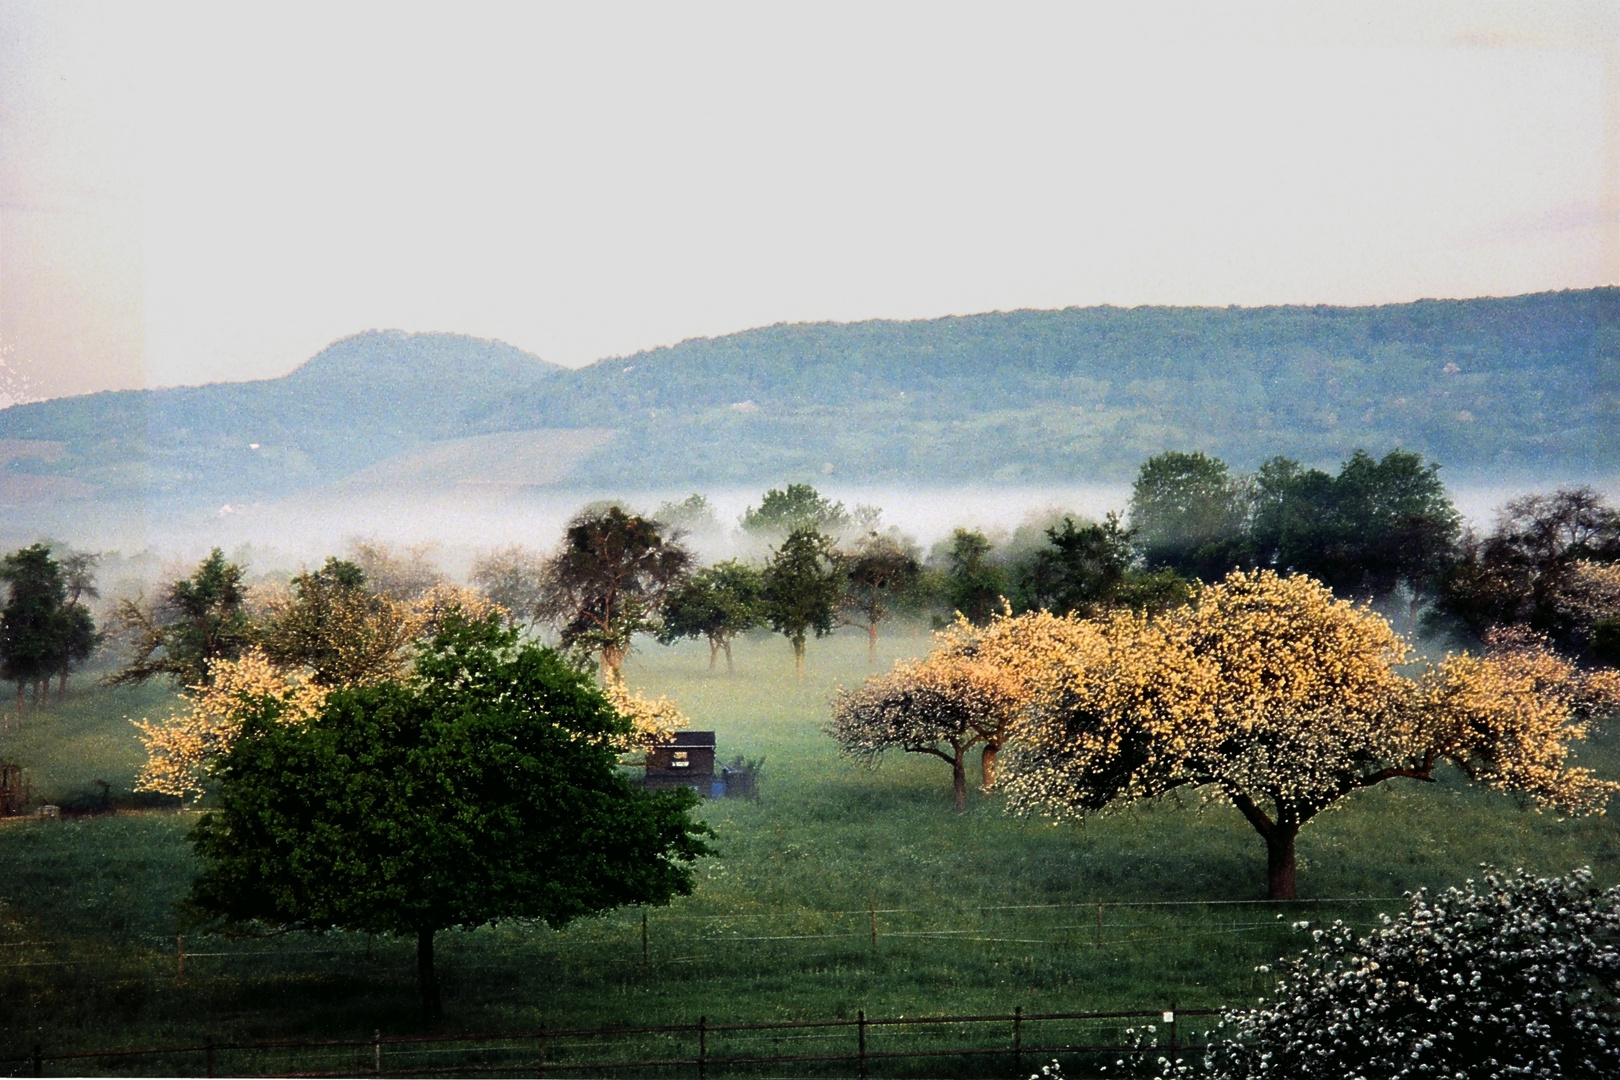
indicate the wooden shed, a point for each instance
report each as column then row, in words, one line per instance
column 686, row 760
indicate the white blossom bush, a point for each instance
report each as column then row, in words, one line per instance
column 1505, row 978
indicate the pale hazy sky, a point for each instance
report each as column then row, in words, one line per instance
column 192, row 193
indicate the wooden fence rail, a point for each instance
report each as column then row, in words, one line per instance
column 1016, row 1048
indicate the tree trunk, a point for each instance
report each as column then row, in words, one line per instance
column 61, row 687
column 1280, row 862
column 729, row 669
column 612, row 663
column 798, row 658
column 37, row 684
column 871, row 642
column 20, row 702
column 428, row 979
column 959, row 780
column 987, row 765
column 714, row 654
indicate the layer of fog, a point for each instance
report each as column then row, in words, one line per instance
column 145, row 545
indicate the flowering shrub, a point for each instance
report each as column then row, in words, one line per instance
column 179, row 750
column 1504, row 978
column 652, row 720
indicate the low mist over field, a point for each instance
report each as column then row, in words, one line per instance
column 291, row 534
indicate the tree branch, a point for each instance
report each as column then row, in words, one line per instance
column 1257, row 817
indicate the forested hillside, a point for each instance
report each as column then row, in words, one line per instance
column 1526, row 386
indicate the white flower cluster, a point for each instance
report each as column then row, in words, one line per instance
column 1509, row 977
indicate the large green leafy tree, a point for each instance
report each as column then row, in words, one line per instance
column 484, row 789
column 34, row 629
column 718, row 603
column 1188, row 514
column 1378, row 527
column 608, row 581
column 802, row 587
column 196, row 620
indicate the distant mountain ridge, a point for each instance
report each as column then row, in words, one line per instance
column 1520, row 385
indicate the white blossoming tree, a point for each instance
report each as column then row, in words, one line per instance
column 1509, row 977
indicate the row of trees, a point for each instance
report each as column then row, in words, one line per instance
column 618, row 574
column 1266, row 692
column 1378, row 530
column 1386, row 528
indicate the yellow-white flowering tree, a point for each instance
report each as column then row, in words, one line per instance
column 327, row 632
column 652, row 720
column 943, row 706
column 180, row 749
column 1269, row 693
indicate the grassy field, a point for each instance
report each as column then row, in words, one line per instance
column 974, row 912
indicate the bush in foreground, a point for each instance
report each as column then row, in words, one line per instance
column 1504, row 978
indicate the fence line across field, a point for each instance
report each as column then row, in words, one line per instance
column 544, row 1041
column 611, row 932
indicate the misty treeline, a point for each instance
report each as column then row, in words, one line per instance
column 1382, row 530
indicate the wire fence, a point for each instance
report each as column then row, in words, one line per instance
column 998, row 1044
column 705, row 953
column 641, row 939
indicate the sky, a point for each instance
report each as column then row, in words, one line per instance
column 196, row 193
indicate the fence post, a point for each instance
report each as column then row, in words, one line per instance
column 860, row 1029
column 208, row 1056
column 1018, row 1038
column 39, row 1061
column 872, row 907
column 180, row 959
column 703, row 1047
column 542, row 1045
column 1175, row 1015
column 376, row 1051
column 646, row 957
column 1099, row 923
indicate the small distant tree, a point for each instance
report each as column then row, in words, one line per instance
column 874, row 572
column 401, row 575
column 514, row 578
column 1523, row 572
column 1272, row 695
column 692, row 516
column 717, row 603
column 1512, row 976
column 33, row 629
column 943, row 706
column 792, row 509
column 1085, row 569
column 336, row 628
column 484, row 789
column 608, row 582
column 79, row 635
column 195, row 620
column 974, row 585
column 802, row 587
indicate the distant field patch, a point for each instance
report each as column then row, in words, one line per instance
column 515, row 459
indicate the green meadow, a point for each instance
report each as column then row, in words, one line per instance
column 842, row 888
